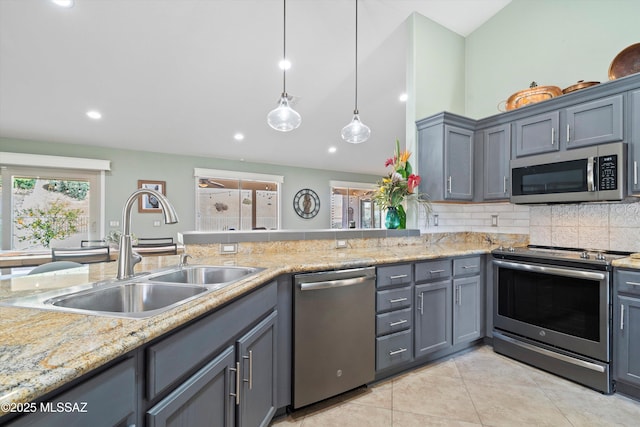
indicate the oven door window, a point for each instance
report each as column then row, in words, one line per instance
column 561, row 177
column 563, row 304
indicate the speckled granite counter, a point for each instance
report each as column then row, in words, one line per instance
column 42, row 350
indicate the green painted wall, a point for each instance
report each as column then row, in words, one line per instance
column 554, row 42
column 128, row 166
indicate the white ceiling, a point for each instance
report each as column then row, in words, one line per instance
column 183, row 76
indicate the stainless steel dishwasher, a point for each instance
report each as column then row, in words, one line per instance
column 334, row 333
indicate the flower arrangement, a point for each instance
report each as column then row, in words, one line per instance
column 399, row 185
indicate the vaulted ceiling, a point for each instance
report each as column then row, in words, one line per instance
column 184, row 76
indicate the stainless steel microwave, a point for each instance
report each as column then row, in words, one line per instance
column 589, row 174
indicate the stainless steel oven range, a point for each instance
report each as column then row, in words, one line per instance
column 552, row 310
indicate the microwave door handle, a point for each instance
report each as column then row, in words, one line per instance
column 590, row 177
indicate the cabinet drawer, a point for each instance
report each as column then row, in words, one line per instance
column 394, row 349
column 393, row 299
column 179, row 354
column 628, row 282
column 432, row 270
column 466, row 266
column 393, row 275
column 393, row 321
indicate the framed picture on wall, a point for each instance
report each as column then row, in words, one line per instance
column 148, row 203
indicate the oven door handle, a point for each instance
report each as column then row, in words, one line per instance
column 545, row 269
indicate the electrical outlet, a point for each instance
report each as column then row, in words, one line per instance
column 494, row 220
column 228, row 248
column 114, row 223
column 156, row 223
column 435, row 220
column 341, row 244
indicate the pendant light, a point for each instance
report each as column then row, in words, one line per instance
column 356, row 131
column 284, row 118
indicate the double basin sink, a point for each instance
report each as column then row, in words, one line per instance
column 140, row 297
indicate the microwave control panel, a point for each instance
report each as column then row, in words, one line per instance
column 608, row 172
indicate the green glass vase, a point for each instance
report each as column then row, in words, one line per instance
column 403, row 217
column 392, row 220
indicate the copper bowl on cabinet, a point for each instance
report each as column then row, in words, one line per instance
column 626, row 62
column 532, row 95
column 580, row 85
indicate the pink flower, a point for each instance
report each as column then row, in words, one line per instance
column 412, row 182
column 390, row 161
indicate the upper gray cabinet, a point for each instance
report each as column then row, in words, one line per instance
column 537, row 134
column 594, row 122
column 634, row 140
column 497, row 152
column 445, row 156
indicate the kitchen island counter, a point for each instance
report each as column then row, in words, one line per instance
column 42, row 350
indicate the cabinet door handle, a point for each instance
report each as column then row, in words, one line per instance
column 401, row 350
column 435, row 271
column 421, row 303
column 635, row 172
column 553, row 136
column 392, row 301
column 398, row 276
column 399, row 322
column 622, row 317
column 504, row 184
column 237, row 393
column 568, row 128
column 632, row 283
column 449, row 184
column 250, row 380
column 469, row 266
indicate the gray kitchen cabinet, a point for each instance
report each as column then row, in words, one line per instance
column 626, row 330
column 106, row 399
column 204, row 400
column 537, row 134
column 634, row 141
column 445, row 156
column 497, row 153
column 466, row 309
column 394, row 325
column 594, row 122
column 433, row 319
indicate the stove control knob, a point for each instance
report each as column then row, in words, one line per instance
column 600, row 256
column 511, row 249
column 501, row 248
column 584, row 255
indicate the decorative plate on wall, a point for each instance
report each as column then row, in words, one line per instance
column 306, row 203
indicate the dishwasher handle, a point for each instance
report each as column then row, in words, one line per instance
column 313, row 286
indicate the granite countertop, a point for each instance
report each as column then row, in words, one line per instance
column 42, row 350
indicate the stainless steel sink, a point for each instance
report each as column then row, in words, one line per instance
column 204, row 275
column 136, row 297
column 143, row 296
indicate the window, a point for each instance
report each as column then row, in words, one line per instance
column 43, row 205
column 227, row 200
column 352, row 206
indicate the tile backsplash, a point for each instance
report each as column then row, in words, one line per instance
column 610, row 226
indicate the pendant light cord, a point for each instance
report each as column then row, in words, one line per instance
column 284, row 48
column 355, row 111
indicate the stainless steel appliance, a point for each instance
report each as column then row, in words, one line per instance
column 588, row 174
column 334, row 333
column 552, row 309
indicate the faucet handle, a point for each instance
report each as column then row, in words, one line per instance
column 183, row 259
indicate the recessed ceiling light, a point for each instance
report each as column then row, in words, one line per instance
column 93, row 114
column 404, row 97
column 284, row 64
column 238, row 136
column 332, row 149
column 63, row 3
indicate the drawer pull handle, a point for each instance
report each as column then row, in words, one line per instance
column 633, row 283
column 469, row 266
column 393, row 353
column 435, row 271
column 399, row 276
column 399, row 322
column 397, row 300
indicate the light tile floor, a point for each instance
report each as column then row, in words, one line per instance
column 476, row 388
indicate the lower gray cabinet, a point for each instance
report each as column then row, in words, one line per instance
column 203, row 400
column 106, row 399
column 433, row 320
column 628, row 343
column 466, row 309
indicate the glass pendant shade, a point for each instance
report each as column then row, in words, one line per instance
column 284, row 118
column 356, row 131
